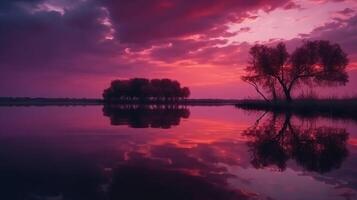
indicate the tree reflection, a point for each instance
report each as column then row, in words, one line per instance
column 319, row 149
column 145, row 116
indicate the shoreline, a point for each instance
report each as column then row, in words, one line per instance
column 333, row 108
column 27, row 101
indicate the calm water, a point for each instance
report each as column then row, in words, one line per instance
column 77, row 153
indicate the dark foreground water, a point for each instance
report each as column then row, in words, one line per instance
column 201, row 153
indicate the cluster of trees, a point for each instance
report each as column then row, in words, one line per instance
column 316, row 63
column 144, row 89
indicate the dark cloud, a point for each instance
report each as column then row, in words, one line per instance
column 292, row 5
column 41, row 38
column 244, row 29
column 346, row 11
column 123, row 38
column 33, row 37
column 11, row 4
column 342, row 32
column 36, row 35
column 143, row 21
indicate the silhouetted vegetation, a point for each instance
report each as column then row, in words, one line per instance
column 144, row 116
column 315, row 63
column 27, row 101
column 319, row 149
column 333, row 108
column 140, row 89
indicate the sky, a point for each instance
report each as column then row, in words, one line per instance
column 74, row 48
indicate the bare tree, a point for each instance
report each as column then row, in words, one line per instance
column 274, row 69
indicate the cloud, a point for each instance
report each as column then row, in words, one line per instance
column 346, row 11
column 88, row 42
column 47, row 33
column 342, row 32
column 42, row 38
column 292, row 5
column 145, row 21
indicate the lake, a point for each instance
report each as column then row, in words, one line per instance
column 125, row 152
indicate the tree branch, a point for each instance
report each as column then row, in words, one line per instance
column 257, row 89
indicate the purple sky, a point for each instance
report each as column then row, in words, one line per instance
column 60, row 48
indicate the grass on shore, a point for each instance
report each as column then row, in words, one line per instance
column 335, row 108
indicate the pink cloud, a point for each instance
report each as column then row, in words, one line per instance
column 143, row 21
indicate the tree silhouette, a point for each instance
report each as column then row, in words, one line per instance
column 319, row 149
column 275, row 70
column 185, row 92
column 143, row 89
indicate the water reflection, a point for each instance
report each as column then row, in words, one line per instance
column 113, row 168
column 319, row 149
column 145, row 116
column 217, row 153
column 162, row 184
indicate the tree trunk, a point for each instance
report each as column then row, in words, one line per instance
column 288, row 97
column 274, row 94
column 287, row 93
column 286, row 90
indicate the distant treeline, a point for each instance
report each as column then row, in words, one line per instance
column 40, row 101
column 145, row 89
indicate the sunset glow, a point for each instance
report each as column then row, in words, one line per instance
column 178, row 99
column 75, row 48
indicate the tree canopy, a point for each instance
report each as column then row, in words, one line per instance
column 278, row 72
column 141, row 89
